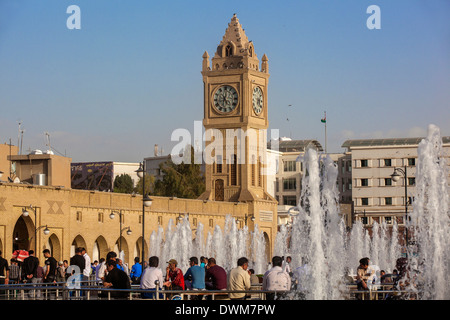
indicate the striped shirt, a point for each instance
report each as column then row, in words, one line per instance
column 14, row 272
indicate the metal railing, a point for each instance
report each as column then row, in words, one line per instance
column 93, row 290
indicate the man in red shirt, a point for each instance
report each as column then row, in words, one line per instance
column 216, row 276
column 174, row 277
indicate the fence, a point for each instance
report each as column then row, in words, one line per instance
column 92, row 290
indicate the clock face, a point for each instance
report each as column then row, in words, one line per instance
column 257, row 100
column 225, row 99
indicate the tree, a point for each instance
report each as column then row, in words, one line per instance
column 123, row 184
column 184, row 180
column 149, row 180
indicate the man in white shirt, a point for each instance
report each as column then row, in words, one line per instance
column 151, row 274
column 100, row 271
column 276, row 279
column 239, row 280
column 286, row 264
column 87, row 266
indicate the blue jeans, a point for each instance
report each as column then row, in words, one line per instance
column 151, row 295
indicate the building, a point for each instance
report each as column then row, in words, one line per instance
column 38, row 168
column 6, row 169
column 236, row 119
column 376, row 197
column 74, row 217
column 101, row 175
column 287, row 179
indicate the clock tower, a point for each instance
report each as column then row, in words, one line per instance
column 235, row 119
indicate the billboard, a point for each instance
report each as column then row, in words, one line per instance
column 92, row 176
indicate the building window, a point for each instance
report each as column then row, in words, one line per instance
column 387, row 162
column 388, row 201
column 411, row 161
column 364, row 182
column 364, row 220
column 79, row 216
column 365, row 201
column 228, row 51
column 289, row 184
column 411, row 181
column 260, row 178
column 388, row 220
column 194, row 222
column 160, row 220
column 233, row 171
column 219, row 164
column 290, row 166
column 388, row 182
column 290, row 200
column 100, row 217
column 211, row 223
column 253, row 164
column 364, row 163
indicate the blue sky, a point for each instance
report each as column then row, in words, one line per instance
column 131, row 75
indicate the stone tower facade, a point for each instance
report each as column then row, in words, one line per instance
column 235, row 119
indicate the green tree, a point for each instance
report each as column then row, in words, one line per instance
column 123, row 184
column 149, row 181
column 184, row 180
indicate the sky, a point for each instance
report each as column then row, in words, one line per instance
column 131, row 75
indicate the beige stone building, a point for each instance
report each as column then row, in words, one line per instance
column 375, row 196
column 73, row 218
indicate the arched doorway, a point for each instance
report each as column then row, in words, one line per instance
column 54, row 245
column 219, row 191
column 23, row 234
column 121, row 245
column 138, row 250
column 100, row 249
column 77, row 242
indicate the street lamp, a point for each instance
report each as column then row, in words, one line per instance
column 111, row 216
column 396, row 177
column 46, row 230
column 146, row 202
column 252, row 218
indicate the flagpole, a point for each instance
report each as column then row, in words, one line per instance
column 325, row 131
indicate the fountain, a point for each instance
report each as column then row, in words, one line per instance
column 430, row 222
column 317, row 239
column 226, row 246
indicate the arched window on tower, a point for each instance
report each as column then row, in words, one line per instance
column 250, row 51
column 228, row 51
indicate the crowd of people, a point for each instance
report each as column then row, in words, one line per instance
column 110, row 272
column 203, row 274
column 400, row 278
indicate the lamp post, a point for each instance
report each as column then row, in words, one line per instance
column 395, row 177
column 252, row 218
column 146, row 202
column 111, row 216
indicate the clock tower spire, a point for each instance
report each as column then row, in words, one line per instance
column 235, row 119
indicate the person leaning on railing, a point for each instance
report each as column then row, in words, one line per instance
column 151, row 275
column 116, row 279
column 239, row 280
